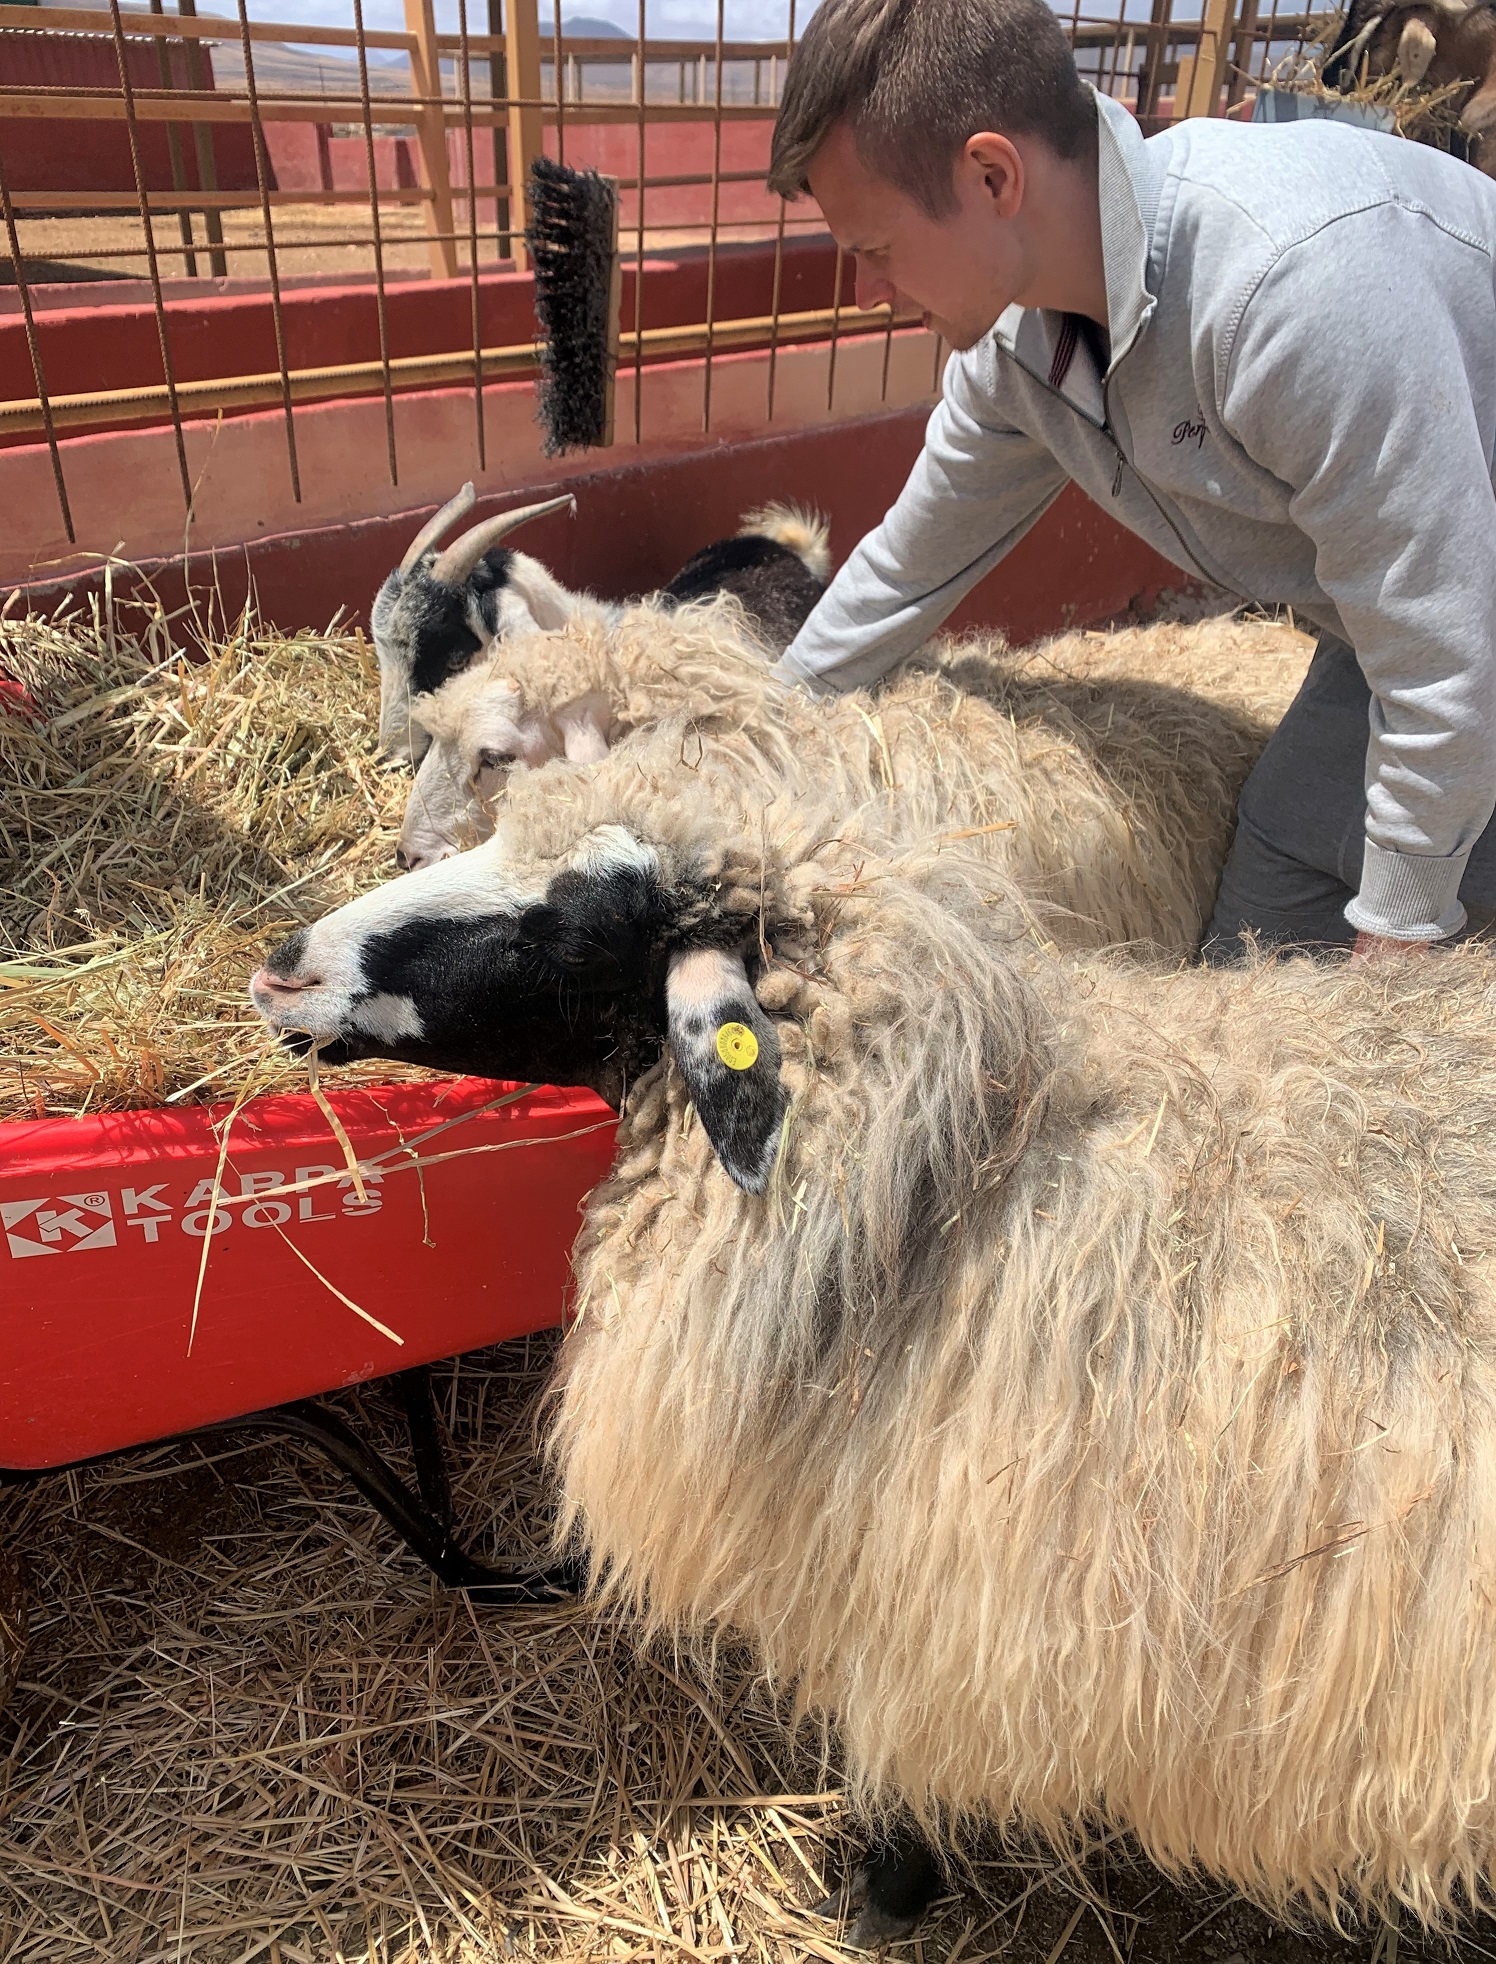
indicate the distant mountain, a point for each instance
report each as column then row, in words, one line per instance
column 584, row 27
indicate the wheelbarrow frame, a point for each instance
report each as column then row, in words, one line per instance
column 166, row 1275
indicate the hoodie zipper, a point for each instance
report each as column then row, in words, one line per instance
column 1124, row 462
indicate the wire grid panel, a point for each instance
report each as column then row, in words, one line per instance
column 281, row 153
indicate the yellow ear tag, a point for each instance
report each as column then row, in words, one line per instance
column 737, row 1046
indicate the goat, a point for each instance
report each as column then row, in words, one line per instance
column 1433, row 44
column 1079, row 1379
column 439, row 610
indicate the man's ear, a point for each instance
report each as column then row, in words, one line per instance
column 586, row 727
column 728, row 1054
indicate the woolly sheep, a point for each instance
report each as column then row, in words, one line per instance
column 1085, row 1385
column 438, row 610
column 1114, row 798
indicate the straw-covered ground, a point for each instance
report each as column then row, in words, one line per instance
column 248, row 1725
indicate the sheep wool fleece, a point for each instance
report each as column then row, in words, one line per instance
column 1300, row 407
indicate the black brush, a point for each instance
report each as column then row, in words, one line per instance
column 573, row 242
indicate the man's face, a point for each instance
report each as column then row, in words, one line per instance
column 960, row 270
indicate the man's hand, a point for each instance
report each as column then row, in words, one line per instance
column 1371, row 946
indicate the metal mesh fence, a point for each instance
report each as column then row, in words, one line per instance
column 178, row 147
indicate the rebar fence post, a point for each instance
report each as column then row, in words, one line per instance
column 1198, row 90
column 431, row 136
column 174, row 151
column 202, row 145
column 1151, row 86
column 33, row 348
column 498, row 91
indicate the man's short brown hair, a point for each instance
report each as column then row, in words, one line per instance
column 913, row 79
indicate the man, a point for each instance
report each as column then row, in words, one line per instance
column 1268, row 351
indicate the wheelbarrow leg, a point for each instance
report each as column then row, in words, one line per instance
column 421, row 1531
column 424, row 1428
column 422, row 1520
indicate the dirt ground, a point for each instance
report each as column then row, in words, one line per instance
column 308, row 239
column 250, row 1727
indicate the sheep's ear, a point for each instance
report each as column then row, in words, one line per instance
column 586, row 727
column 728, row 1054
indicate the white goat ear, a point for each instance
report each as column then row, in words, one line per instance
column 586, row 727
column 548, row 603
column 728, row 1054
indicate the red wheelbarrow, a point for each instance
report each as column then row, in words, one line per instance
column 160, row 1278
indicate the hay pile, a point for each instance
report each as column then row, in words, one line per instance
column 164, row 820
column 1423, row 115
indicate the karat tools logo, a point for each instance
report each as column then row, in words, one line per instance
column 64, row 1226
column 74, row 1223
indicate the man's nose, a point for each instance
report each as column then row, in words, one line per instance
column 873, row 292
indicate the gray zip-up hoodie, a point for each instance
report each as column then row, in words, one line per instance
column 1300, row 406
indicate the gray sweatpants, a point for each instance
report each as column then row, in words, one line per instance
column 1301, row 825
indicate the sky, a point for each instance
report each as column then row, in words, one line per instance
column 746, row 20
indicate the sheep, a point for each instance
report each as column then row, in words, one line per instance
column 1433, row 44
column 1078, row 1379
column 1115, row 800
column 437, row 611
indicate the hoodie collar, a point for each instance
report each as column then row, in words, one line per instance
column 1130, row 184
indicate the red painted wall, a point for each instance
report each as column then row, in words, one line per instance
column 637, row 523
column 62, row 155
column 677, row 150
column 307, row 157
column 92, row 347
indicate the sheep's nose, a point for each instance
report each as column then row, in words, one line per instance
column 262, row 982
column 413, row 860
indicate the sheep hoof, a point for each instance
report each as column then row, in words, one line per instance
column 874, row 1927
column 887, row 1894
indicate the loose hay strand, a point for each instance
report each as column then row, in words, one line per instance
column 333, row 1289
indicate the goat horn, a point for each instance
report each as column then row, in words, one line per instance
column 1346, row 57
column 431, row 531
column 459, row 559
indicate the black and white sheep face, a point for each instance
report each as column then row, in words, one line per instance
column 438, row 610
column 482, row 730
column 573, row 973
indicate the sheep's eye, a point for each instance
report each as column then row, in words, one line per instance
column 496, row 760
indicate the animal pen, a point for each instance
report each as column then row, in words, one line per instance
column 269, row 303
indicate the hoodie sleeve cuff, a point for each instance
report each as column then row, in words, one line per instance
column 793, row 676
column 1408, row 896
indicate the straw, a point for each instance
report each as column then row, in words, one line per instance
column 173, row 808
column 247, row 1717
